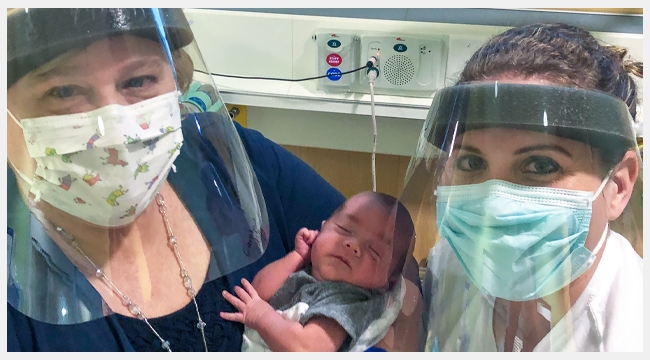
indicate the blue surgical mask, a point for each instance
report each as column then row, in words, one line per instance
column 518, row 242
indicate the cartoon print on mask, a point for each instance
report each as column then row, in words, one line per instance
column 150, row 183
column 142, row 168
column 172, row 151
column 112, row 197
column 104, row 163
column 144, row 120
column 66, row 157
column 167, row 130
column 91, row 179
column 129, row 212
column 113, row 158
column 151, row 144
column 32, row 139
column 130, row 140
column 170, row 107
column 66, row 182
column 91, row 142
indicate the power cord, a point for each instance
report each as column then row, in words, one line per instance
column 372, row 73
column 367, row 66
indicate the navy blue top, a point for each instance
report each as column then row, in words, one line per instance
column 295, row 195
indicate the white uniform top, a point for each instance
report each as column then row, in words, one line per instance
column 608, row 315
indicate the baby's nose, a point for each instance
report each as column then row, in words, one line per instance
column 354, row 247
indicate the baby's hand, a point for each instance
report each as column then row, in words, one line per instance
column 304, row 239
column 250, row 306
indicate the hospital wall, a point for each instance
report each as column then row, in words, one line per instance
column 333, row 132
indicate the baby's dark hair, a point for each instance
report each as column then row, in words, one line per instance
column 402, row 237
column 561, row 54
column 403, row 234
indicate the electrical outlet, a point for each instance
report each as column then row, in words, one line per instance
column 238, row 114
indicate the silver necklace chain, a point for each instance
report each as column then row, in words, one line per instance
column 172, row 241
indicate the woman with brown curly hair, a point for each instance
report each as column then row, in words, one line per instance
column 533, row 163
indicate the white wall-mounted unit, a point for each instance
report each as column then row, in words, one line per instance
column 407, row 65
column 338, row 53
column 280, row 46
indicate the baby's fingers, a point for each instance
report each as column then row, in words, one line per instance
column 243, row 294
column 312, row 236
column 233, row 300
column 249, row 288
column 302, row 234
column 238, row 317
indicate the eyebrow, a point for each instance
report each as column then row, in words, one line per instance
column 553, row 147
column 151, row 61
column 468, row 148
column 61, row 70
column 68, row 69
column 523, row 150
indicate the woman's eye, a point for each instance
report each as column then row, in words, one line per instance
column 63, row 92
column 470, row 163
column 541, row 165
column 139, row 81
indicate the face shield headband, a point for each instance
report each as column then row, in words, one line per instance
column 36, row 35
column 588, row 116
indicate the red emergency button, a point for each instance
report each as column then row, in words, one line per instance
column 333, row 59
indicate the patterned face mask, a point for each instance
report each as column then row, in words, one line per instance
column 104, row 166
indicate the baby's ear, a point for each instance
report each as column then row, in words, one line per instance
column 392, row 281
column 622, row 181
column 322, row 224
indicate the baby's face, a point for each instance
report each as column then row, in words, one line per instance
column 355, row 245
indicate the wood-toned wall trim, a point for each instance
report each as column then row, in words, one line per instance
column 629, row 11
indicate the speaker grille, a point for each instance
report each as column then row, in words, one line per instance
column 399, row 70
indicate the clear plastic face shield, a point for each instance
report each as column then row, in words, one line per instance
column 98, row 126
column 517, row 189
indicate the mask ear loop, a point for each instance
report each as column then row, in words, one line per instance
column 37, row 193
column 601, row 241
column 606, row 231
column 14, row 118
column 602, row 186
